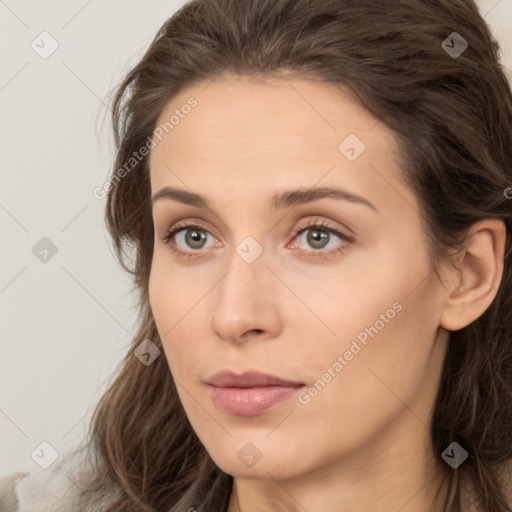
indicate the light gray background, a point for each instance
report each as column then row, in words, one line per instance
column 67, row 323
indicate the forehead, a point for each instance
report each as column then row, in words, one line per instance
column 266, row 109
column 273, row 133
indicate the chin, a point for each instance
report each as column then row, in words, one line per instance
column 260, row 471
column 249, row 462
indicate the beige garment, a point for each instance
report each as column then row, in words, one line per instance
column 56, row 489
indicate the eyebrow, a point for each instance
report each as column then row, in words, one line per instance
column 285, row 199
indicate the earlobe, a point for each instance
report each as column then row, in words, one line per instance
column 477, row 279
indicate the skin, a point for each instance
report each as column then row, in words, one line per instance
column 291, row 314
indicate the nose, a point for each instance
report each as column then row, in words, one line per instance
column 246, row 302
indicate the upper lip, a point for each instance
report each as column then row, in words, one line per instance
column 248, row 379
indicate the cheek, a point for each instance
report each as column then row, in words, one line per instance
column 171, row 296
column 381, row 360
column 179, row 308
column 165, row 307
column 383, row 325
column 358, row 304
column 385, row 378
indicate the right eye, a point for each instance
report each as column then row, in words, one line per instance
column 187, row 239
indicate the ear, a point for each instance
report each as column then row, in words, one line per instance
column 474, row 285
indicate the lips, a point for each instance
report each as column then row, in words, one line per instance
column 250, row 393
column 227, row 379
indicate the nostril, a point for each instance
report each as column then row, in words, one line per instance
column 255, row 331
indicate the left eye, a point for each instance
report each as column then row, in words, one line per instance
column 320, row 238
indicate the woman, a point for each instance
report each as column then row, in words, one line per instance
column 317, row 196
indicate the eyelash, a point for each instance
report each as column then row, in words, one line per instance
column 315, row 225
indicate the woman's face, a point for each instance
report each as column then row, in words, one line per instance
column 304, row 258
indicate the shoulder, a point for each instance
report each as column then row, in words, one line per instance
column 57, row 489
column 8, row 495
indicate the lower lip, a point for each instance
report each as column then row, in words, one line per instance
column 251, row 401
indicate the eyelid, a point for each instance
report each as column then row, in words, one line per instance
column 327, row 226
column 189, row 223
column 184, row 226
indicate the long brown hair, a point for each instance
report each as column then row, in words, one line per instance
column 452, row 115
